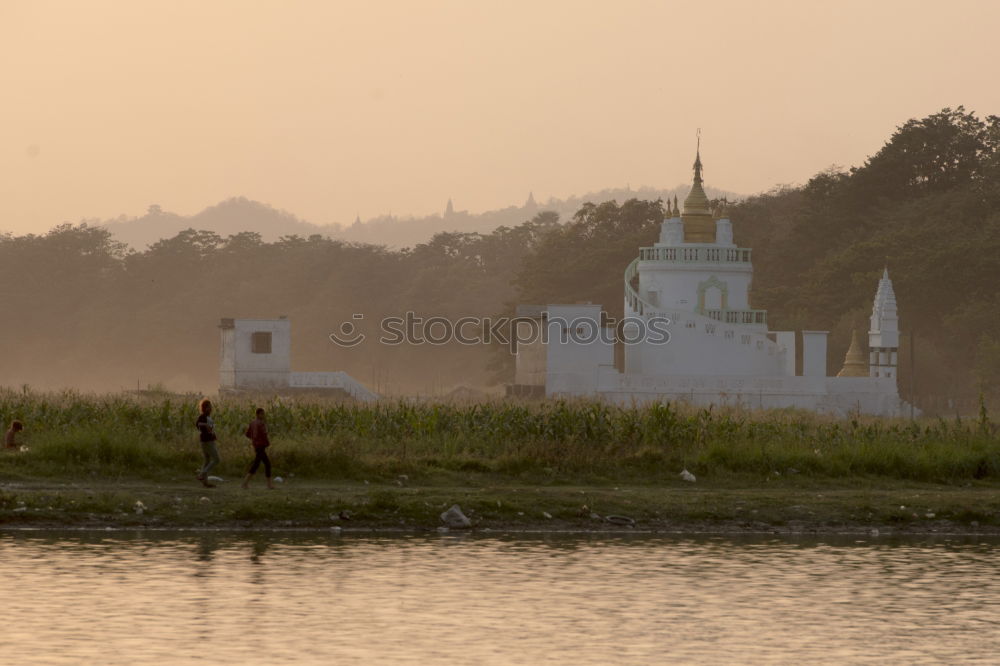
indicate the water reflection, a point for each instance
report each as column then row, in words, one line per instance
column 316, row 598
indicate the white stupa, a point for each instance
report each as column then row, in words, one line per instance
column 694, row 283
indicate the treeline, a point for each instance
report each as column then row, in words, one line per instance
column 83, row 310
column 927, row 205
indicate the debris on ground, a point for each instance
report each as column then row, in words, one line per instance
column 621, row 520
column 454, row 517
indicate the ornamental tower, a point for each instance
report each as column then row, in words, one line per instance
column 699, row 225
column 883, row 336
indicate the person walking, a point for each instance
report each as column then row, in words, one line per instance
column 209, row 446
column 257, row 434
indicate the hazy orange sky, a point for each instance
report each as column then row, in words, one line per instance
column 328, row 109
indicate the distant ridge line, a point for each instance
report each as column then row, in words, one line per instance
column 240, row 214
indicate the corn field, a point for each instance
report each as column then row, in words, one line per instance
column 131, row 434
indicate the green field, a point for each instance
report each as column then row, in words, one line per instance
column 553, row 465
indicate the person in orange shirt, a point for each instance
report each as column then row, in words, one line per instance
column 209, row 445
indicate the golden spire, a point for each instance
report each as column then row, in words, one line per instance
column 697, row 201
column 855, row 363
column 697, row 160
column 699, row 226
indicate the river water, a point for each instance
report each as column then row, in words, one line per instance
column 276, row 598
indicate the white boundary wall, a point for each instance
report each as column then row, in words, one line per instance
column 839, row 396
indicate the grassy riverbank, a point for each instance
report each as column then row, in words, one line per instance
column 729, row 507
column 122, row 460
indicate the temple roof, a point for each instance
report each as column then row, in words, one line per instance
column 885, row 297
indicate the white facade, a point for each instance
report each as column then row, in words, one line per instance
column 529, row 357
column 814, row 353
column 720, row 350
column 255, row 356
column 578, row 344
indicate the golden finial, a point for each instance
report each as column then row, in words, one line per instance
column 697, row 160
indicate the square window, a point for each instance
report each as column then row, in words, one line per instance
column 260, row 342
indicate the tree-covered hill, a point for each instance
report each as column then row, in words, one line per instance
column 927, row 205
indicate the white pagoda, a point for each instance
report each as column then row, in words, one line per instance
column 695, row 283
column 883, row 337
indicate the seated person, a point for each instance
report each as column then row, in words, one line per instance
column 9, row 441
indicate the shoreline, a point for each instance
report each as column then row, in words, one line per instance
column 871, row 508
column 886, row 531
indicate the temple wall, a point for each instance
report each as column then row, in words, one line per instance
column 839, row 396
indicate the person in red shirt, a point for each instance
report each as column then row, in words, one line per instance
column 257, row 433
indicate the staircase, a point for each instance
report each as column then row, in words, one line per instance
column 705, row 322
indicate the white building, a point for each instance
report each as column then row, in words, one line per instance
column 695, row 284
column 256, row 357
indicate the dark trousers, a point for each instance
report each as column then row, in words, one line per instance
column 261, row 458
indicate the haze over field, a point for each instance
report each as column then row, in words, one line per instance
column 269, row 128
column 334, row 110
